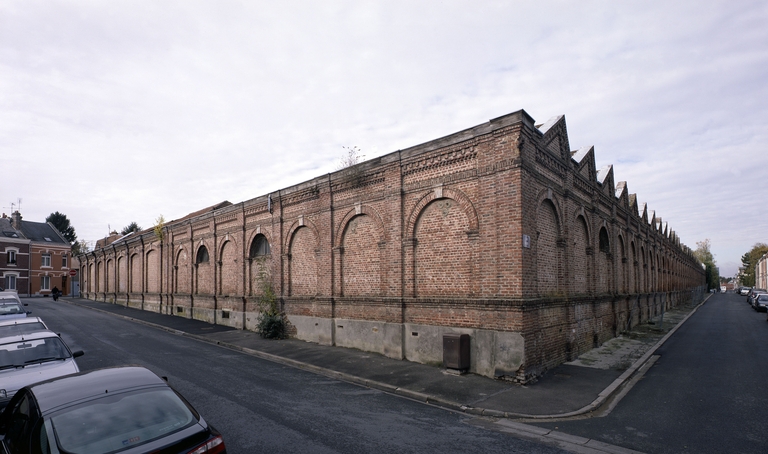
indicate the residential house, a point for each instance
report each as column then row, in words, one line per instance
column 47, row 257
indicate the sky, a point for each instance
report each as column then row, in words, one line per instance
column 122, row 111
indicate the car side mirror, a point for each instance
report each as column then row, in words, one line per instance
column 78, row 354
column 29, row 312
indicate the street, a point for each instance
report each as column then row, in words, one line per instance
column 261, row 406
column 706, row 393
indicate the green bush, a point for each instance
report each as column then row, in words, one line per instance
column 272, row 326
column 271, row 321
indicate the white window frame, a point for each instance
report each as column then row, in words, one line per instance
column 8, row 278
column 45, row 282
column 45, row 258
column 12, row 256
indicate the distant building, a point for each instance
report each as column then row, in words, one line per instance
column 35, row 257
column 14, row 258
column 761, row 272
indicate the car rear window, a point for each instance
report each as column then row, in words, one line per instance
column 15, row 354
column 10, row 308
column 21, row 329
column 113, row 423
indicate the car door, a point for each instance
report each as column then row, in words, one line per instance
column 18, row 424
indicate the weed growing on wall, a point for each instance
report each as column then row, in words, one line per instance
column 271, row 320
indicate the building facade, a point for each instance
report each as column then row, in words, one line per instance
column 499, row 231
column 14, row 258
column 761, row 272
column 36, row 257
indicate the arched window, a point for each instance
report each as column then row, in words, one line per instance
column 259, row 247
column 202, row 255
column 605, row 244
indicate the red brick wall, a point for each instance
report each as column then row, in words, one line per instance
column 361, row 258
column 434, row 235
column 303, row 263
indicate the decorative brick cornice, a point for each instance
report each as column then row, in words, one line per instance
column 453, row 156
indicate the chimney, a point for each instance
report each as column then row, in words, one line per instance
column 16, row 220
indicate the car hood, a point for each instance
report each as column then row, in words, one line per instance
column 11, row 380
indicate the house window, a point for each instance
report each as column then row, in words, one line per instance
column 45, row 282
column 11, row 257
column 64, row 260
column 46, row 260
column 10, row 282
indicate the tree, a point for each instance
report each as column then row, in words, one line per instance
column 749, row 260
column 79, row 248
column 61, row 223
column 132, row 227
column 704, row 254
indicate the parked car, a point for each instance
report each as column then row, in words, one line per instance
column 761, row 302
column 127, row 409
column 744, row 291
column 9, row 295
column 12, row 309
column 753, row 295
column 21, row 326
column 31, row 358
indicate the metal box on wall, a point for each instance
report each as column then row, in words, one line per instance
column 456, row 351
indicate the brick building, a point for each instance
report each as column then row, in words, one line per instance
column 499, row 231
column 35, row 256
column 14, row 258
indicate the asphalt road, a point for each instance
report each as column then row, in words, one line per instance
column 261, row 406
column 707, row 393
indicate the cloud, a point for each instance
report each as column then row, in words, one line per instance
column 118, row 111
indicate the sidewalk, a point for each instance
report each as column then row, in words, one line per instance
column 569, row 390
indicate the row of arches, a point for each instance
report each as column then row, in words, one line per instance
column 572, row 259
column 362, row 258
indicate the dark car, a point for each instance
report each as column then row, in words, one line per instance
column 761, row 302
column 121, row 409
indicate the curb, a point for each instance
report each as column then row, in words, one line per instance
column 601, row 399
column 621, row 381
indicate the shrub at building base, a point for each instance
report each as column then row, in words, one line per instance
column 271, row 321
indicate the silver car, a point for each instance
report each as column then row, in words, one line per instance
column 10, row 310
column 21, row 326
column 32, row 358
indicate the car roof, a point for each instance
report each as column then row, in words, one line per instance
column 6, row 295
column 21, row 321
column 63, row 391
column 42, row 334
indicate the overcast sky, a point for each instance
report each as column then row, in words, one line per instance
column 120, row 111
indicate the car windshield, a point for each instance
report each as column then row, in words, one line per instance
column 26, row 352
column 113, row 423
column 19, row 329
column 10, row 307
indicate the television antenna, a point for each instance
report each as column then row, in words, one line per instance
column 15, row 206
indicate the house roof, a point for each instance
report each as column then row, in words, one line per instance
column 42, row 232
column 7, row 231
